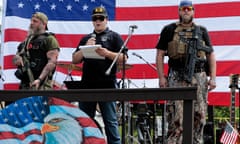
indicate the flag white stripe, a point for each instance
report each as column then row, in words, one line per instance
column 144, row 27
column 222, row 81
column 31, row 126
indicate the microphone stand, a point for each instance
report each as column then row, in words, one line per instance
column 152, row 66
column 154, row 107
column 131, row 30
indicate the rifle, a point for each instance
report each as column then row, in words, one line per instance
column 25, row 56
column 194, row 45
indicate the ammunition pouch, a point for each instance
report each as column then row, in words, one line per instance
column 176, row 49
column 20, row 73
column 201, row 54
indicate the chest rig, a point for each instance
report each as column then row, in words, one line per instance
column 177, row 48
column 35, row 51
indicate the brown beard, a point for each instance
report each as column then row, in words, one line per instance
column 186, row 21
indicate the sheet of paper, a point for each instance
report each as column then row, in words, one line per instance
column 89, row 51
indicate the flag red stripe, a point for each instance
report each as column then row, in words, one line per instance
column 146, row 13
column 14, row 35
column 8, row 62
column 35, row 142
column 11, row 86
column 93, row 140
column 221, row 99
column 59, row 102
column 9, row 135
column 85, row 122
column 224, row 68
column 159, row 12
column 224, row 37
column 147, row 41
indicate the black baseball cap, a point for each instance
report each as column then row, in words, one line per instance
column 101, row 11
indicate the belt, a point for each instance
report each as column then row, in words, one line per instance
column 196, row 70
column 199, row 70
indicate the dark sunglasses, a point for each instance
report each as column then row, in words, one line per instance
column 186, row 8
column 95, row 18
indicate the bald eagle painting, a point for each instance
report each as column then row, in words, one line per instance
column 47, row 120
column 61, row 128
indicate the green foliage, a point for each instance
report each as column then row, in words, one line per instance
column 221, row 114
column 221, row 111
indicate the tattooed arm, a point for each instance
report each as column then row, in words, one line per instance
column 52, row 56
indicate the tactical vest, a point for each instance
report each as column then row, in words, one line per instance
column 37, row 54
column 177, row 48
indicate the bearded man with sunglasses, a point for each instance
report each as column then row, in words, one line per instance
column 175, row 42
column 94, row 70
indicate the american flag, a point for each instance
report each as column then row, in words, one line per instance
column 70, row 20
column 229, row 135
column 21, row 121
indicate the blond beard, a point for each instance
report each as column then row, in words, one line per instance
column 31, row 31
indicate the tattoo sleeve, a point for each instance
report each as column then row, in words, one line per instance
column 52, row 56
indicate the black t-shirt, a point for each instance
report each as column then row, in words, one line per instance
column 94, row 70
column 166, row 36
column 38, row 48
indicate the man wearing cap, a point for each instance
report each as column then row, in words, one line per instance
column 176, row 38
column 94, row 70
column 37, row 55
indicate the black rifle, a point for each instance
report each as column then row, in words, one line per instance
column 25, row 56
column 193, row 46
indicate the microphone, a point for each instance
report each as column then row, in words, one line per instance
column 133, row 26
column 92, row 39
column 93, row 35
column 135, row 54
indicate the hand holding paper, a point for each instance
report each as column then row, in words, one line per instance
column 89, row 51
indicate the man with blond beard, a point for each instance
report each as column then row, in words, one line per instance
column 37, row 55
